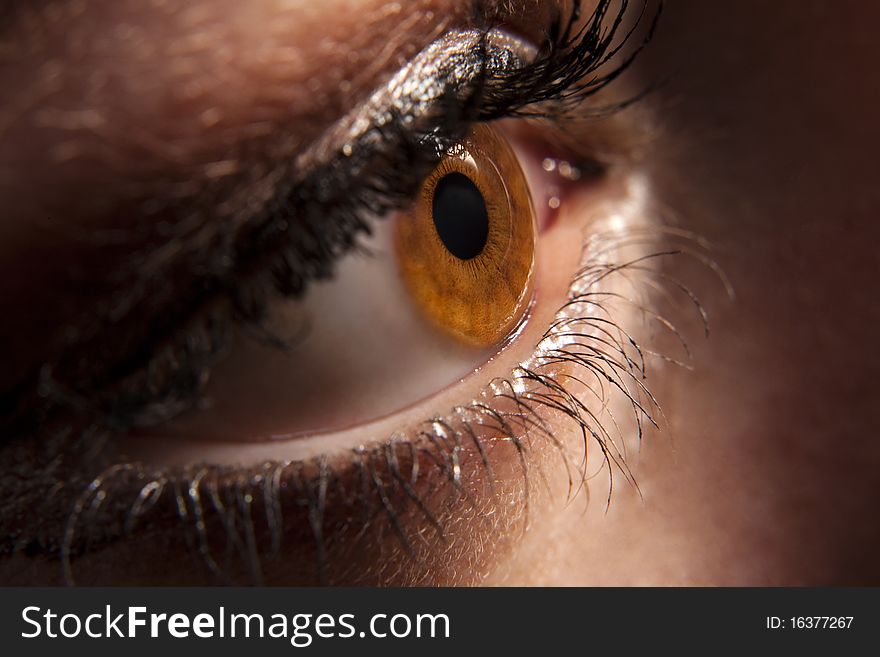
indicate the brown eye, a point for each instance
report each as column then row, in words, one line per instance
column 466, row 250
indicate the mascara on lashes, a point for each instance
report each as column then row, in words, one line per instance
column 446, row 70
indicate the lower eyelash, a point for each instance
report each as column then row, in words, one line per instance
column 234, row 519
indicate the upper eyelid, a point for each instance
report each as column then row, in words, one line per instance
column 278, row 75
column 408, row 123
column 488, row 60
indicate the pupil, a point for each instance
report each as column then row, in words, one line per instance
column 460, row 216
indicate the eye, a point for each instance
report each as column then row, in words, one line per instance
column 467, row 249
column 435, row 291
column 362, row 349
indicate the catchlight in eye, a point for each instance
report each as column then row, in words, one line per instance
column 466, row 250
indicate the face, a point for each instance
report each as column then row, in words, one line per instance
column 438, row 292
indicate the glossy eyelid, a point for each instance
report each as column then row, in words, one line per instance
column 448, row 67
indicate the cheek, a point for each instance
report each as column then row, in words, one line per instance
column 590, row 519
column 774, row 473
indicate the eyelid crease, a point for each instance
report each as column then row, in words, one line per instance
column 447, row 66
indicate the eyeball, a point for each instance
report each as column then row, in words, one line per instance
column 466, row 249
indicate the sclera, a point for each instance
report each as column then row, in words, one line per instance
column 480, row 300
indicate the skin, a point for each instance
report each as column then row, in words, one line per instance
column 766, row 471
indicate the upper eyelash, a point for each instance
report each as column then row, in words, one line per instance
column 271, row 260
column 568, row 70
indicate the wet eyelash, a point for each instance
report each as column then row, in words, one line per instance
column 573, row 65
